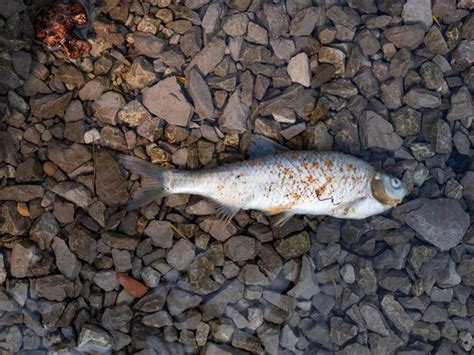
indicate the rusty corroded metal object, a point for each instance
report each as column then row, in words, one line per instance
column 54, row 26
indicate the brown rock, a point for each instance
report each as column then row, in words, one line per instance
column 133, row 287
column 109, row 183
column 68, row 158
column 106, row 107
column 50, row 105
column 21, row 193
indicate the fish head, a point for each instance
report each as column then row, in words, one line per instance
column 387, row 190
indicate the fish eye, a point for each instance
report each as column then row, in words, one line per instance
column 396, row 183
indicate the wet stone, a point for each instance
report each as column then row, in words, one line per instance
column 418, row 11
column 179, row 301
column 409, row 36
column 55, row 288
column 66, row 261
column 406, row 121
column 276, row 18
column 116, row 317
column 50, row 105
column 241, row 248
column 341, row 332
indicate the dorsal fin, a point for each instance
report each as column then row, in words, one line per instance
column 261, row 146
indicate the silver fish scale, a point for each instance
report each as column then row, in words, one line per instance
column 303, row 182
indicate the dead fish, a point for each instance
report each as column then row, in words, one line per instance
column 278, row 182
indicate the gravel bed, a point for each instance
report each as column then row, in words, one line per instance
column 184, row 84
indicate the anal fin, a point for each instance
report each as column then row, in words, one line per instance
column 225, row 212
column 280, row 219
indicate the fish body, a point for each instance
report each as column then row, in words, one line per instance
column 285, row 183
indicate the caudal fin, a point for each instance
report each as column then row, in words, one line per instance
column 153, row 181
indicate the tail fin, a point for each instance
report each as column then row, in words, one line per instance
column 153, row 180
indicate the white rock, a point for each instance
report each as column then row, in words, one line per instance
column 91, row 136
column 298, row 69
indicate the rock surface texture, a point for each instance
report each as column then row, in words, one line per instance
column 183, row 84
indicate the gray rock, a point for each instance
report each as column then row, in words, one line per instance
column 396, row 314
column 341, row 88
column 298, row 69
column 409, row 36
column 461, row 106
column 235, row 115
column 215, row 306
column 68, row 158
column 392, row 92
column 110, row 186
column 276, row 19
column 241, row 248
column 342, row 332
column 465, row 270
column 93, row 89
column 105, row 108
column 385, row 345
column 407, row 121
column 29, row 171
column 44, row 230
column 463, row 56
column 122, row 260
column 50, row 105
column 374, row 319
column 367, row 84
column 201, row 95
column 208, row 58
column 467, row 183
column 236, row 25
column 304, row 22
column 432, row 76
column 246, row 342
column 92, row 339
column 435, row 314
column 113, row 138
column 307, row 286
column 74, row 192
column 83, row 244
column 435, row 41
column 3, row 271
column 366, row 277
column 158, row 319
column 256, row 34
column 21, row 193
column 116, row 317
column 66, row 261
column 368, row 42
column 179, row 301
column 283, row 48
column 422, row 98
column 56, row 288
column 377, row 132
column 441, row 222
column 429, row 332
column 146, row 43
column 161, row 233
column 153, row 301
column 333, row 56
column 421, row 151
column 167, row 101
column 418, row 11
column 181, row 255
column 106, row 280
